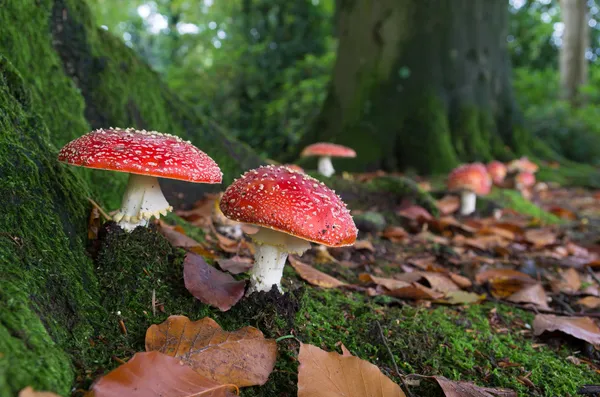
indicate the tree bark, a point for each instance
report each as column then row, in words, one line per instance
column 575, row 41
column 421, row 84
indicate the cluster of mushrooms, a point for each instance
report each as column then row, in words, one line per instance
column 290, row 208
column 476, row 179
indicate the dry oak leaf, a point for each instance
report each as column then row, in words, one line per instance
column 364, row 245
column 590, row 302
column 29, row 392
column 448, row 204
column 583, row 328
column 415, row 291
column 157, row 375
column 534, row 294
column 210, row 285
column 314, row 276
column 466, row 389
column 570, row 282
column 329, row 374
column 243, row 357
column 394, row 233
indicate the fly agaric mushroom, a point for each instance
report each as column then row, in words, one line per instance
column 326, row 151
column 145, row 155
column 497, row 171
column 522, row 164
column 471, row 180
column 291, row 209
column 524, row 180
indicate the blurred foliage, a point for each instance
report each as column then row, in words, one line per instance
column 261, row 68
column 534, row 41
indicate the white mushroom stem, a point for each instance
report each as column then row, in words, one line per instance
column 142, row 200
column 271, row 251
column 467, row 202
column 325, row 166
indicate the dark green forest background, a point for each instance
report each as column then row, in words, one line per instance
column 261, row 68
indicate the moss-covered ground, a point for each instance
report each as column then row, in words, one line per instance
column 473, row 343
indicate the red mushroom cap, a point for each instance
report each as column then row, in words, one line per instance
column 522, row 164
column 525, row 179
column 472, row 177
column 327, row 149
column 141, row 152
column 290, row 202
column 497, row 171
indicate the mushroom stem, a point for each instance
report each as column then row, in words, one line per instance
column 142, row 200
column 467, row 202
column 325, row 166
column 271, row 251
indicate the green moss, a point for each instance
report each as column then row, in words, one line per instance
column 44, row 269
column 426, row 141
column 512, row 199
column 470, row 138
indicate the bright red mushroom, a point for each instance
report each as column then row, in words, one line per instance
column 497, row 171
column 471, row 180
column 291, row 209
column 524, row 180
column 325, row 151
column 145, row 155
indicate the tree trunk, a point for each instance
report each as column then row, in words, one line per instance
column 420, row 84
column 61, row 76
column 575, row 41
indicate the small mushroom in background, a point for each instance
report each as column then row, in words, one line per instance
column 524, row 182
column 145, row 155
column 497, row 171
column 471, row 180
column 325, row 151
column 295, row 167
column 522, row 164
column 291, row 210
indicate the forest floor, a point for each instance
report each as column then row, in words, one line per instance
column 506, row 298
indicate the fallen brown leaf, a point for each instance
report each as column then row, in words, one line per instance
column 590, row 302
column 461, row 298
column 415, row 291
column 394, row 233
column 563, row 213
column 314, row 276
column 157, row 375
column 388, row 283
column 437, row 281
column 94, row 223
column 583, row 328
column 236, row 264
column 329, row 374
column 243, row 357
column 531, row 294
column 540, row 237
column 569, row 283
column 209, row 285
column 175, row 236
column 29, row 392
column 364, row 245
column 415, row 212
column 466, row 389
column 504, row 282
column 448, row 204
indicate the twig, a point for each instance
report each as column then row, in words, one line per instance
column 398, row 372
column 594, row 276
column 104, row 214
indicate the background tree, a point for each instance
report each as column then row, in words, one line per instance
column 575, row 43
column 422, row 83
